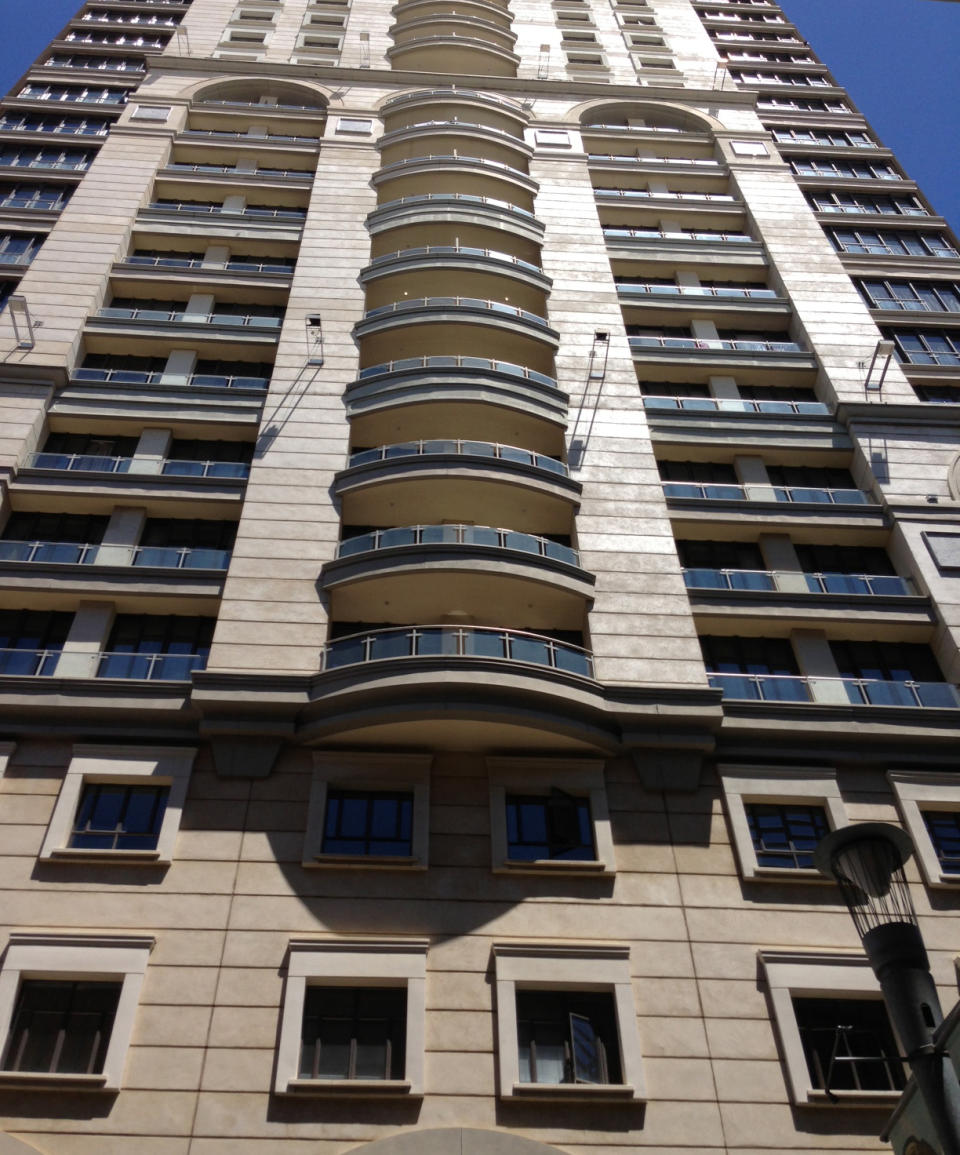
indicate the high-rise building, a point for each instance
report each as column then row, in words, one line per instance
column 481, row 494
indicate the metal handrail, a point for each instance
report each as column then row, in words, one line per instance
column 735, row 343
column 456, row 361
column 228, row 470
column 200, row 262
column 468, row 198
column 180, row 557
column 29, row 663
column 486, row 537
column 648, row 289
column 430, row 158
column 150, row 377
column 645, row 194
column 264, row 108
column 100, row 130
column 268, row 139
column 149, row 667
column 857, row 691
column 786, row 581
column 457, row 642
column 457, row 303
column 454, row 125
column 822, row 495
column 80, row 462
column 80, row 165
column 676, row 234
column 221, row 169
column 736, row 405
column 694, row 162
column 453, row 91
column 248, row 320
column 49, row 552
column 217, row 210
column 458, row 446
column 458, row 250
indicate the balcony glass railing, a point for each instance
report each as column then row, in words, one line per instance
column 150, row 667
column 80, row 462
column 458, row 642
column 644, row 288
column 146, row 377
column 242, row 320
column 834, row 691
column 455, row 126
column 486, row 537
column 737, row 405
column 266, row 109
column 270, row 138
column 457, row 92
column 467, row 199
column 29, row 663
column 875, row 585
column 451, row 446
column 232, row 170
column 676, row 235
column 55, row 129
column 738, row 344
column 199, row 262
column 731, row 492
column 824, row 496
column 72, row 553
column 229, row 470
column 667, row 161
column 646, row 194
column 218, row 210
column 442, row 361
column 454, row 250
column 484, row 304
column 17, row 258
column 706, row 490
column 457, row 158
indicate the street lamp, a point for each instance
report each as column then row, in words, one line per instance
column 867, row 860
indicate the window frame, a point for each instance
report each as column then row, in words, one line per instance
column 368, row 772
column 168, row 766
column 571, row 967
column 790, row 974
column 916, row 791
column 580, row 777
column 373, row 962
column 804, row 785
column 80, row 957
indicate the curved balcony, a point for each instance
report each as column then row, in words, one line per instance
column 415, row 380
column 445, row 201
column 793, row 582
column 433, row 96
column 483, row 481
column 466, row 258
column 459, row 310
column 460, row 46
column 432, row 162
column 414, row 26
column 416, row 573
column 456, row 642
column 835, row 691
column 480, row 536
column 495, row 11
column 450, row 136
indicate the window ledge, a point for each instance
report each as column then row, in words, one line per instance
column 581, row 1092
column 853, row 1098
column 53, row 1081
column 79, row 854
column 553, row 866
column 352, row 1087
column 785, row 874
column 369, row 861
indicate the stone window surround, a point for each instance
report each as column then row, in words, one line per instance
column 130, row 765
column 359, row 771
column 820, row 975
column 913, row 788
column 581, row 777
column 80, row 957
column 804, row 784
column 385, row 962
column 566, row 966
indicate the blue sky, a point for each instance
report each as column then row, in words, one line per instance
column 898, row 59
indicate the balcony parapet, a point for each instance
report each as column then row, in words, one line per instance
column 431, row 161
column 93, row 463
column 457, row 310
column 432, row 96
column 734, row 407
column 478, row 536
column 835, row 691
column 462, row 256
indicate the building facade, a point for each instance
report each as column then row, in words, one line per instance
column 480, row 501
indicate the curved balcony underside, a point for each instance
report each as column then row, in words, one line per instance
column 416, row 584
column 450, row 53
column 454, row 94
column 403, row 330
column 451, row 133
column 474, row 28
column 420, row 211
column 460, row 383
column 463, row 262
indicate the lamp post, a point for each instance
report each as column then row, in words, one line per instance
column 867, row 860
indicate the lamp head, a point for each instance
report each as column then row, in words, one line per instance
column 867, row 859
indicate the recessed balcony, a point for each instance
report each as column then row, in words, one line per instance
column 458, row 642
column 842, row 585
column 835, row 691
column 94, row 554
column 100, row 464
column 256, row 383
column 793, row 495
column 734, row 406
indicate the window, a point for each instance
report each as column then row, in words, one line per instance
column 353, row 1010
column 756, row 669
column 929, row 805
column 550, row 815
column 851, row 170
column 890, row 243
column 778, row 815
column 67, row 1005
column 920, row 296
column 31, row 640
column 567, row 1037
column 353, row 1033
column 61, row 1028
column 927, row 346
column 566, row 1022
column 119, row 802
column 836, row 1041
column 368, row 810
column 156, row 647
